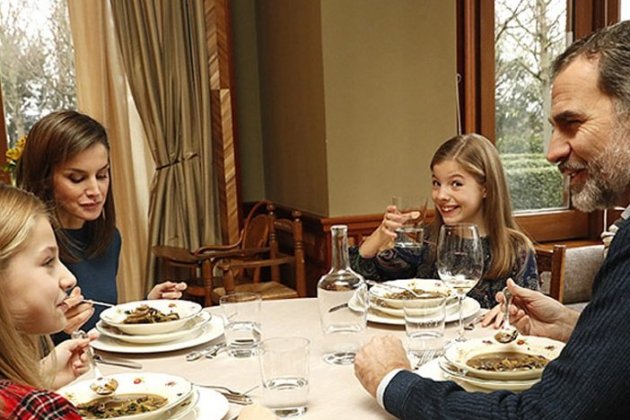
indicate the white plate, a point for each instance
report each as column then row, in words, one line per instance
column 191, row 326
column 174, row 388
column 451, row 372
column 459, row 353
column 208, row 405
column 381, row 292
column 433, row 370
column 400, row 313
column 184, row 408
column 213, row 329
column 185, row 309
column 470, row 307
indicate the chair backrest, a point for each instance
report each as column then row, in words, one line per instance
column 569, row 272
column 255, row 233
column 287, row 238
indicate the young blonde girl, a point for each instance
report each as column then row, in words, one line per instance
column 469, row 186
column 32, row 305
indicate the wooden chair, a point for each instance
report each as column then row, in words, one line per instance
column 572, row 271
column 552, row 261
column 171, row 259
column 252, row 243
column 286, row 247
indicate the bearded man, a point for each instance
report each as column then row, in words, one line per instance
column 590, row 379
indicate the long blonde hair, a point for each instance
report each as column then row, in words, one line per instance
column 20, row 353
column 478, row 156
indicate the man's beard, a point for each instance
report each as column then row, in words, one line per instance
column 608, row 175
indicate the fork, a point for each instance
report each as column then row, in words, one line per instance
column 209, row 352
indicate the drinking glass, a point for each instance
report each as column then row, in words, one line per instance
column 411, row 234
column 424, row 326
column 460, row 261
column 284, row 369
column 241, row 312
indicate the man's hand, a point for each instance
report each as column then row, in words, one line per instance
column 377, row 358
column 533, row 313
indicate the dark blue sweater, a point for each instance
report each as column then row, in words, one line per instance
column 96, row 276
column 590, row 379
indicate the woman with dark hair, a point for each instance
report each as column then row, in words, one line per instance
column 66, row 163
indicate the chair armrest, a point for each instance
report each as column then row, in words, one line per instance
column 231, row 264
column 234, row 253
column 215, row 248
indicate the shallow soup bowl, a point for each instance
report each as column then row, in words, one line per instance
column 430, row 292
column 119, row 316
column 501, row 360
column 173, row 389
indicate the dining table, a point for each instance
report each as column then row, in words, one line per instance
column 334, row 391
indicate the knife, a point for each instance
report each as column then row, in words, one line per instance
column 122, row 363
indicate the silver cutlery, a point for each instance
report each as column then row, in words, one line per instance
column 232, row 396
column 507, row 333
column 98, row 303
column 117, row 362
column 100, row 385
column 209, row 352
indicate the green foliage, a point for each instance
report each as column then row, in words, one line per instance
column 533, row 182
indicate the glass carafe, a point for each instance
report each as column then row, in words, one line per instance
column 343, row 303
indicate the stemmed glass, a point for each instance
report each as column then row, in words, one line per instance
column 460, row 261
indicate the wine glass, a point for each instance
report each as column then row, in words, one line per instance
column 460, row 261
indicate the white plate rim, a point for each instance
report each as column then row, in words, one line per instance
column 154, row 338
column 212, row 330
column 470, row 308
column 495, row 385
column 111, row 315
column 67, row 390
column 377, row 290
column 453, row 354
column 400, row 313
column 220, row 405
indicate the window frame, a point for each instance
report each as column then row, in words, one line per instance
column 475, row 65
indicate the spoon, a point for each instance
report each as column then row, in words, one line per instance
column 100, row 385
column 507, row 333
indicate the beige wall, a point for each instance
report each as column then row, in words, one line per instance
column 355, row 96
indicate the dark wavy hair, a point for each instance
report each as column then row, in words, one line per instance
column 610, row 47
column 52, row 141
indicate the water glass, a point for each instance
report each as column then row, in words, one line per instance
column 424, row 325
column 284, row 370
column 241, row 312
column 411, row 234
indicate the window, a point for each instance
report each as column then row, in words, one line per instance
column 527, row 36
column 36, row 64
column 476, row 65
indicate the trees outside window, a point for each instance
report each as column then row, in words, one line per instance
column 528, row 35
column 36, row 62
